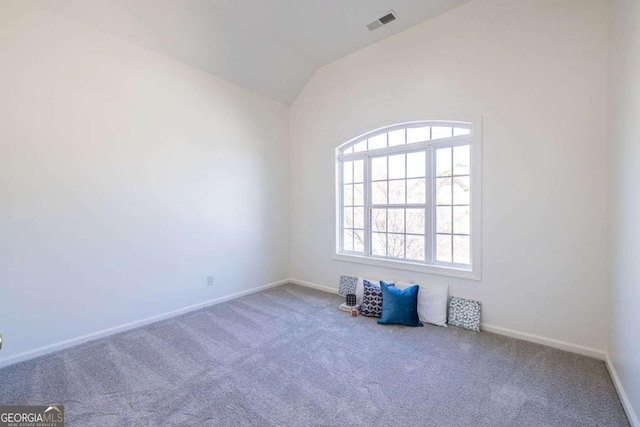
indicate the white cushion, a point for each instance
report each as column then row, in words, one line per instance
column 432, row 302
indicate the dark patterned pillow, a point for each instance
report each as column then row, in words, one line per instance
column 371, row 300
column 465, row 313
column 347, row 285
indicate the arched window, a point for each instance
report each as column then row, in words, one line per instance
column 408, row 194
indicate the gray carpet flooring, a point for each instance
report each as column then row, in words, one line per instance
column 288, row 357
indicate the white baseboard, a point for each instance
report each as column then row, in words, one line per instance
column 41, row 351
column 549, row 342
column 626, row 403
column 314, row 286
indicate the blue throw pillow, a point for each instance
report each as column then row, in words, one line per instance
column 399, row 307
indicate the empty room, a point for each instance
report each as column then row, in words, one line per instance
column 320, row 213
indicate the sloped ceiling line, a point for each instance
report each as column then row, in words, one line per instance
column 270, row 47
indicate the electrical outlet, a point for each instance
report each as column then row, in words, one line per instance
column 209, row 280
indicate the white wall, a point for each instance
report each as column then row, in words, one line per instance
column 624, row 200
column 536, row 70
column 125, row 179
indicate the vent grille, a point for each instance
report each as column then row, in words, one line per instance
column 389, row 17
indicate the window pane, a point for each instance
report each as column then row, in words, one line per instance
column 439, row 132
column 347, row 218
column 416, row 163
column 358, row 241
column 400, row 179
column 360, row 146
column 347, row 194
column 358, row 173
column 415, row 248
column 461, row 131
column 395, row 245
column 378, row 141
column 461, row 193
column 443, row 162
column 415, row 221
column 416, row 190
column 379, row 244
column 379, row 193
column 396, row 138
column 378, row 168
column 358, row 218
column 379, row 220
column 461, row 160
column 397, row 192
column 461, row 220
column 358, row 194
column 347, row 243
column 397, row 166
column 395, row 220
column 443, row 191
column 347, row 172
column 461, row 250
column 417, row 134
column 443, row 248
column 443, row 219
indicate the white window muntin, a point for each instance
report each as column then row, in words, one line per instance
column 429, row 146
column 433, row 206
column 370, row 206
column 343, row 151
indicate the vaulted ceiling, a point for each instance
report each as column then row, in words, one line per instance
column 272, row 47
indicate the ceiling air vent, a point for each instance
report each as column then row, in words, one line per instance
column 391, row 16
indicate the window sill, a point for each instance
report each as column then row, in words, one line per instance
column 409, row 266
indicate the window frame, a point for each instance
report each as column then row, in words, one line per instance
column 431, row 266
